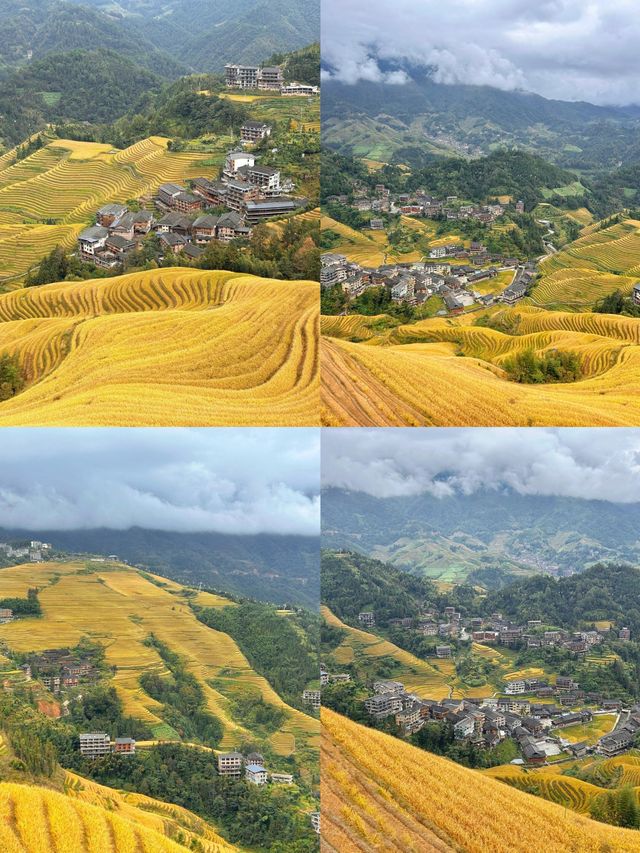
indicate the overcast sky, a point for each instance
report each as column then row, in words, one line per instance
column 567, row 49
column 598, row 464
column 240, row 481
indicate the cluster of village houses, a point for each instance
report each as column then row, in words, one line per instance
column 536, row 728
column 235, row 765
column 60, row 669
column 421, row 204
column 270, row 79
column 35, row 551
column 187, row 219
column 489, row 720
column 495, row 630
column 414, row 283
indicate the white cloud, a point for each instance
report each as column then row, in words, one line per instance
column 240, row 481
column 566, row 49
column 594, row 464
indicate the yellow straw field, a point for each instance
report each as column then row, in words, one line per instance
column 49, row 197
column 447, row 372
column 379, row 793
column 119, row 608
column 164, row 348
column 598, row 263
column 37, row 820
column 146, row 812
column 606, row 774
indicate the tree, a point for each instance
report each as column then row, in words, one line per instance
column 11, row 376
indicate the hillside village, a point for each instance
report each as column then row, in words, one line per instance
column 415, row 283
column 183, row 219
column 260, row 78
column 186, row 219
column 532, row 712
column 451, row 271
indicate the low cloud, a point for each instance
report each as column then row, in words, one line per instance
column 593, row 464
column 565, row 49
column 239, row 481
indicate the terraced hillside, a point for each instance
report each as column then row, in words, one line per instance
column 598, row 263
column 155, row 815
column 120, row 608
column 36, row 820
column 95, row 819
column 49, row 197
column 164, row 348
column 372, row 249
column 448, row 372
column 379, row 793
column 430, row 679
column 597, row 778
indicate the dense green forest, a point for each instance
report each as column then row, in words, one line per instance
column 41, row 27
column 169, row 37
column 282, row 648
column 487, row 529
column 504, row 172
column 352, row 583
column 299, row 66
column 609, row 592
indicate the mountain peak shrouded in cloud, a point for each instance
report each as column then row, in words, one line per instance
column 564, row 49
column 590, row 464
column 241, row 482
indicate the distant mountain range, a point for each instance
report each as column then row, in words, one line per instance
column 487, row 537
column 266, row 567
column 401, row 122
column 169, row 37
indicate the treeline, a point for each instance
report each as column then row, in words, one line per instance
column 100, row 709
column 352, row 583
column 176, row 110
column 301, row 66
column 504, row 172
column 38, row 742
column 29, row 606
column 603, row 592
column 264, row 817
column 617, row 303
column 96, row 86
column 282, row 649
column 552, row 366
column 182, row 697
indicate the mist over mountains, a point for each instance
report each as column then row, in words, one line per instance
column 168, row 37
column 472, row 120
column 487, row 535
